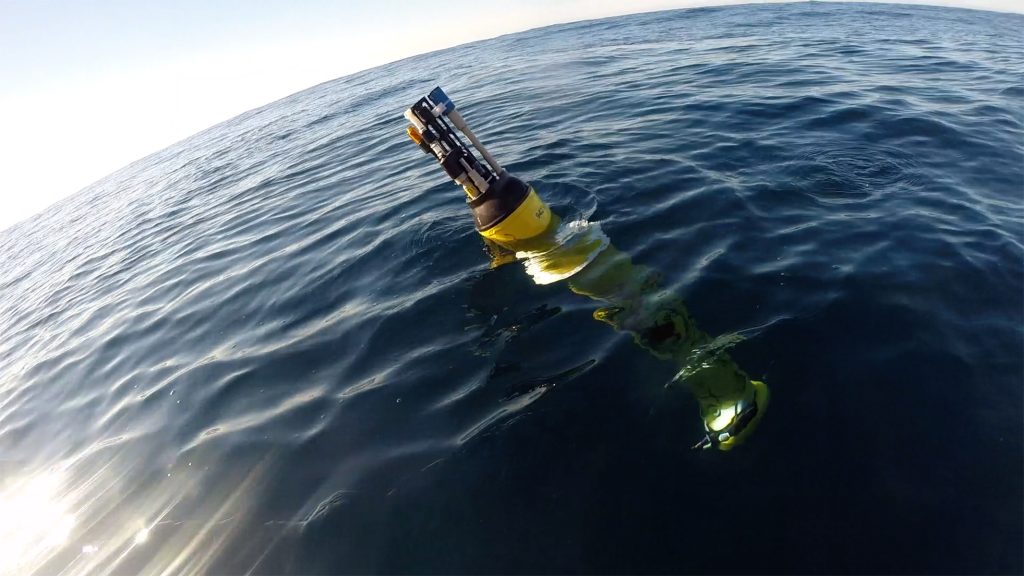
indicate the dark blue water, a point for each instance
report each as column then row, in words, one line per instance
column 278, row 345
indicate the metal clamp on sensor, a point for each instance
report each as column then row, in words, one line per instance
column 505, row 208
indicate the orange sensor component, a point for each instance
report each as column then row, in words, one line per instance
column 415, row 135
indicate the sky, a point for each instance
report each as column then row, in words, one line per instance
column 89, row 87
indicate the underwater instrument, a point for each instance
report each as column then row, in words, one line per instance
column 515, row 223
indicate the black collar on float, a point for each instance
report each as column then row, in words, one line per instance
column 457, row 150
column 499, row 201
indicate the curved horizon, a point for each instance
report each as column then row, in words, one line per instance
column 138, row 90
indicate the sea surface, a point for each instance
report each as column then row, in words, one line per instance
column 279, row 347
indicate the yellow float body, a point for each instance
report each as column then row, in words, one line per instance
column 530, row 219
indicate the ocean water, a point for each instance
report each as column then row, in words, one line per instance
column 278, row 346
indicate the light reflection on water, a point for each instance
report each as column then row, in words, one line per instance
column 49, row 524
column 35, row 520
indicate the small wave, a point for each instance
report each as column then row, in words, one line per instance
column 514, row 405
column 706, row 355
column 576, row 244
column 852, row 174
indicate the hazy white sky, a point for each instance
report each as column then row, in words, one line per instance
column 88, row 87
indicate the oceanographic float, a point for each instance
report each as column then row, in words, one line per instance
column 516, row 224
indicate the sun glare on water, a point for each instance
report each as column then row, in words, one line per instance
column 34, row 521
